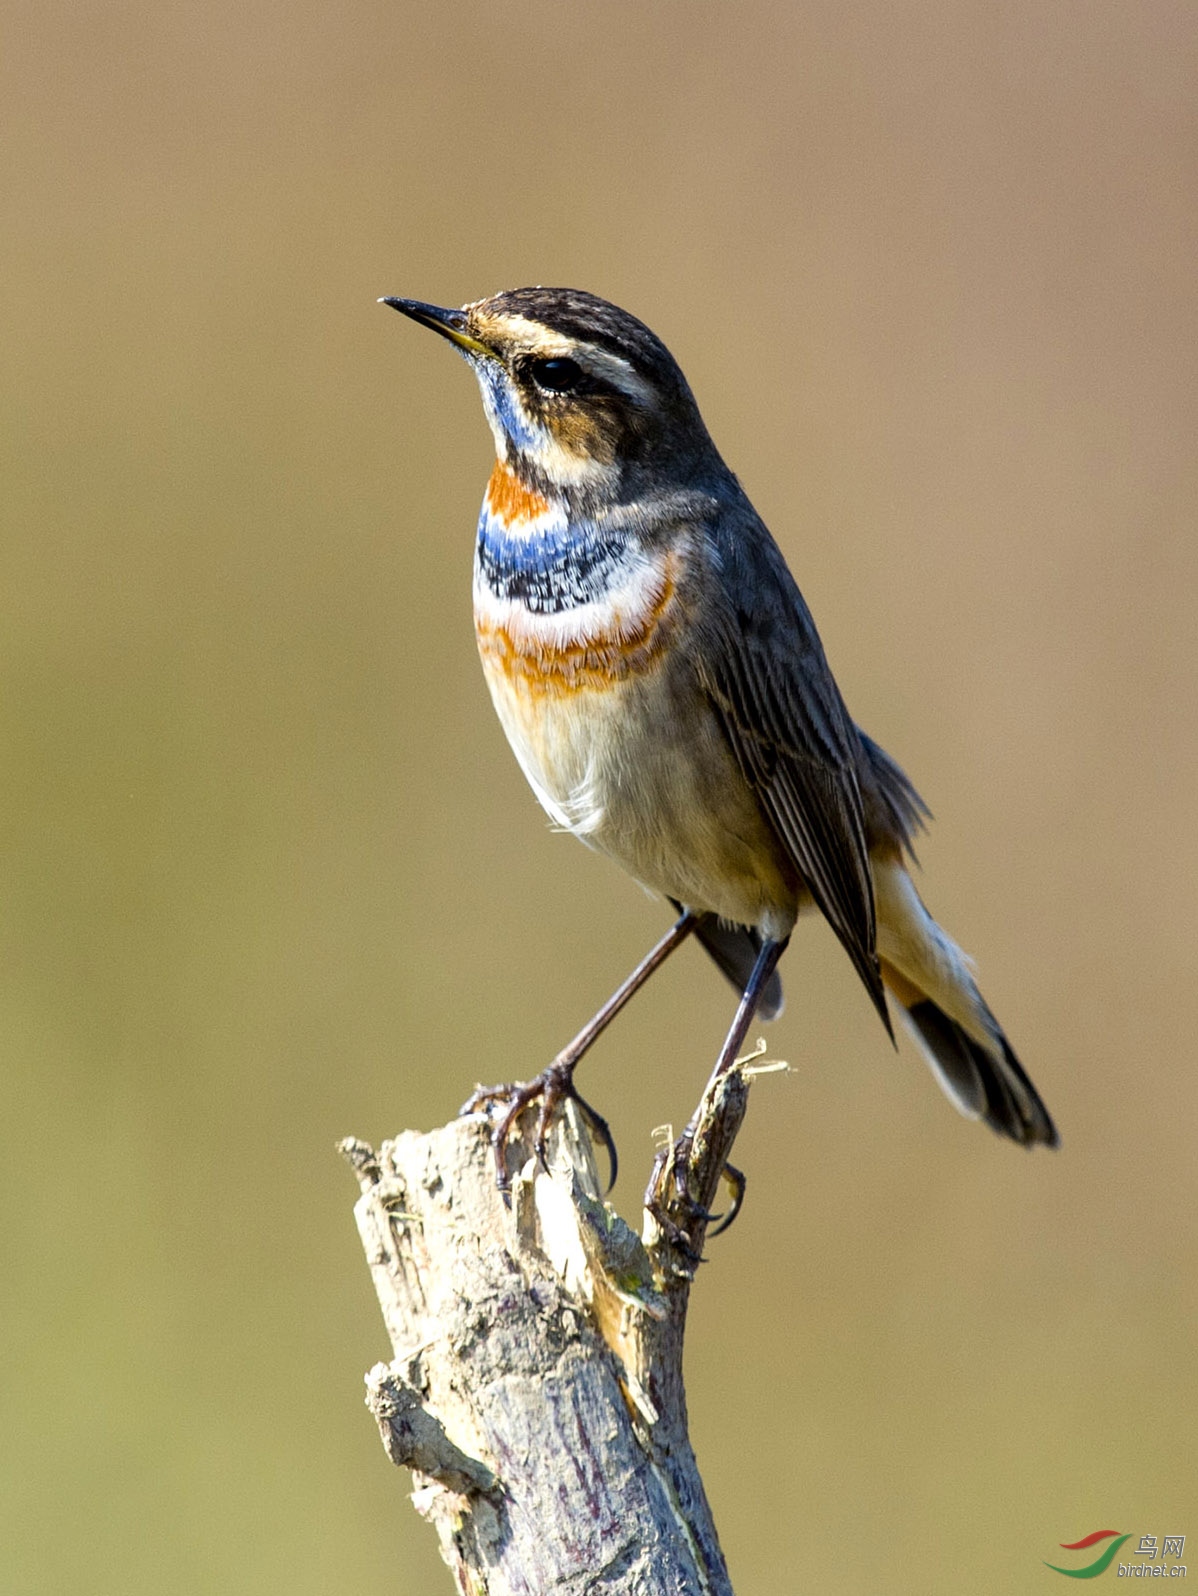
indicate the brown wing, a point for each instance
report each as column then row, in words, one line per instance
column 764, row 670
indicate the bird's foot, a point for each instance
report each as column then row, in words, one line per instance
column 678, row 1214
column 552, row 1087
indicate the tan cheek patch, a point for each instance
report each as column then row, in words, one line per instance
column 582, row 433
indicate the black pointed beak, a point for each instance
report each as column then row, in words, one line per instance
column 450, row 324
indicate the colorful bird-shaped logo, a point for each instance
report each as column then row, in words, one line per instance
column 1101, row 1563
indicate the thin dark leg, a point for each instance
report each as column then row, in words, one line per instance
column 678, row 1159
column 657, row 956
column 556, row 1083
column 764, row 967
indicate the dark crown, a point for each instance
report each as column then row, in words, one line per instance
column 574, row 313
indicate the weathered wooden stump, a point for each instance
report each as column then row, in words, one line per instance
column 535, row 1388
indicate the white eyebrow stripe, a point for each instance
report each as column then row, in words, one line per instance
column 619, row 372
column 541, row 341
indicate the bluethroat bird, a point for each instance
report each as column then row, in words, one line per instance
column 662, row 683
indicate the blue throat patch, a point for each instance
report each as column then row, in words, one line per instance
column 501, row 406
column 552, row 570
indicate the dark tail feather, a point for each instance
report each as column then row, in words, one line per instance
column 985, row 1085
column 735, row 950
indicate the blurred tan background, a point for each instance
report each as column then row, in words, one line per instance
column 270, row 874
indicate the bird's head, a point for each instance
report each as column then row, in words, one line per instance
column 580, row 395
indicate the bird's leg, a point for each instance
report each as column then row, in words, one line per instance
column 556, row 1083
column 763, row 968
column 675, row 1161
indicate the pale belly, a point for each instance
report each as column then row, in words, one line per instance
column 640, row 770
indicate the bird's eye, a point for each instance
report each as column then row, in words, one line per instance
column 558, row 374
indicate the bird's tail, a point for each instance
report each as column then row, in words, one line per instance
column 932, row 984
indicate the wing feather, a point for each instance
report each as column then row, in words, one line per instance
column 764, row 671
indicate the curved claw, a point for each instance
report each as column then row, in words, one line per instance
column 601, row 1132
column 736, row 1181
column 678, row 1239
column 677, row 1158
column 551, row 1087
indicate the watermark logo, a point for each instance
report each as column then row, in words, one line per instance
column 1150, row 1560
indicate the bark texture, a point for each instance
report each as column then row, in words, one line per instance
column 535, row 1388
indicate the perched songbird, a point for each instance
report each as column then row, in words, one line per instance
column 662, row 683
